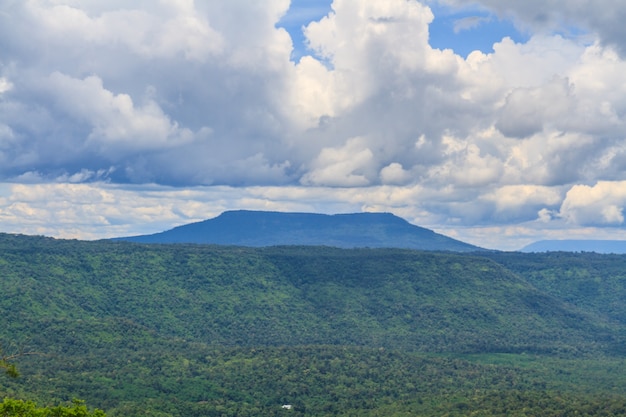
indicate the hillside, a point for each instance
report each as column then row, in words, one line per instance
column 591, row 281
column 287, row 296
column 261, row 228
column 185, row 330
column 597, row 246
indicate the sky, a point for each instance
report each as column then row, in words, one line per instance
column 496, row 122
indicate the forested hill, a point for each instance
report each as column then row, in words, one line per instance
column 262, row 228
column 207, row 330
column 424, row 301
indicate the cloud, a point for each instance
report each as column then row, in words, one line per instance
column 117, row 125
column 168, row 29
column 5, row 85
column 528, row 110
column 599, row 205
column 347, row 166
column 189, row 108
column 470, row 22
column 521, row 203
column 99, row 86
column 394, row 174
column 604, row 18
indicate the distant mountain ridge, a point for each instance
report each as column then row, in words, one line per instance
column 268, row 228
column 597, row 246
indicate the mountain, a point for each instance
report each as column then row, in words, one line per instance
column 598, row 246
column 262, row 228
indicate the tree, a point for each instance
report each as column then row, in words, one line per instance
column 9, row 368
column 19, row 408
column 6, row 362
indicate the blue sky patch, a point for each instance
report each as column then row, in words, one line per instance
column 468, row 30
column 300, row 14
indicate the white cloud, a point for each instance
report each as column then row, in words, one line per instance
column 168, row 29
column 368, row 44
column 347, row 166
column 313, row 94
column 599, row 205
column 512, row 197
column 117, row 125
column 5, row 85
column 467, row 165
column 394, row 174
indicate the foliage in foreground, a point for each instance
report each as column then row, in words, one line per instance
column 19, row 408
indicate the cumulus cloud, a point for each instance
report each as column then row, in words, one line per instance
column 345, row 166
column 599, row 205
column 394, row 173
column 169, row 29
column 120, row 87
column 117, row 124
column 515, row 203
column 528, row 110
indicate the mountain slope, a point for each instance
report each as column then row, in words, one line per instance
column 281, row 296
column 591, row 281
column 259, row 228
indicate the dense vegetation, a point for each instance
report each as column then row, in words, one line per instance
column 186, row 330
column 588, row 281
column 20, row 408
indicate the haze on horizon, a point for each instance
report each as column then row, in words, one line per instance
column 495, row 122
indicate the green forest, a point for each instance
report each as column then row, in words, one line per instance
column 200, row 330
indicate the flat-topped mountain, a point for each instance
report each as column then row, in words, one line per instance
column 263, row 228
column 597, row 246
